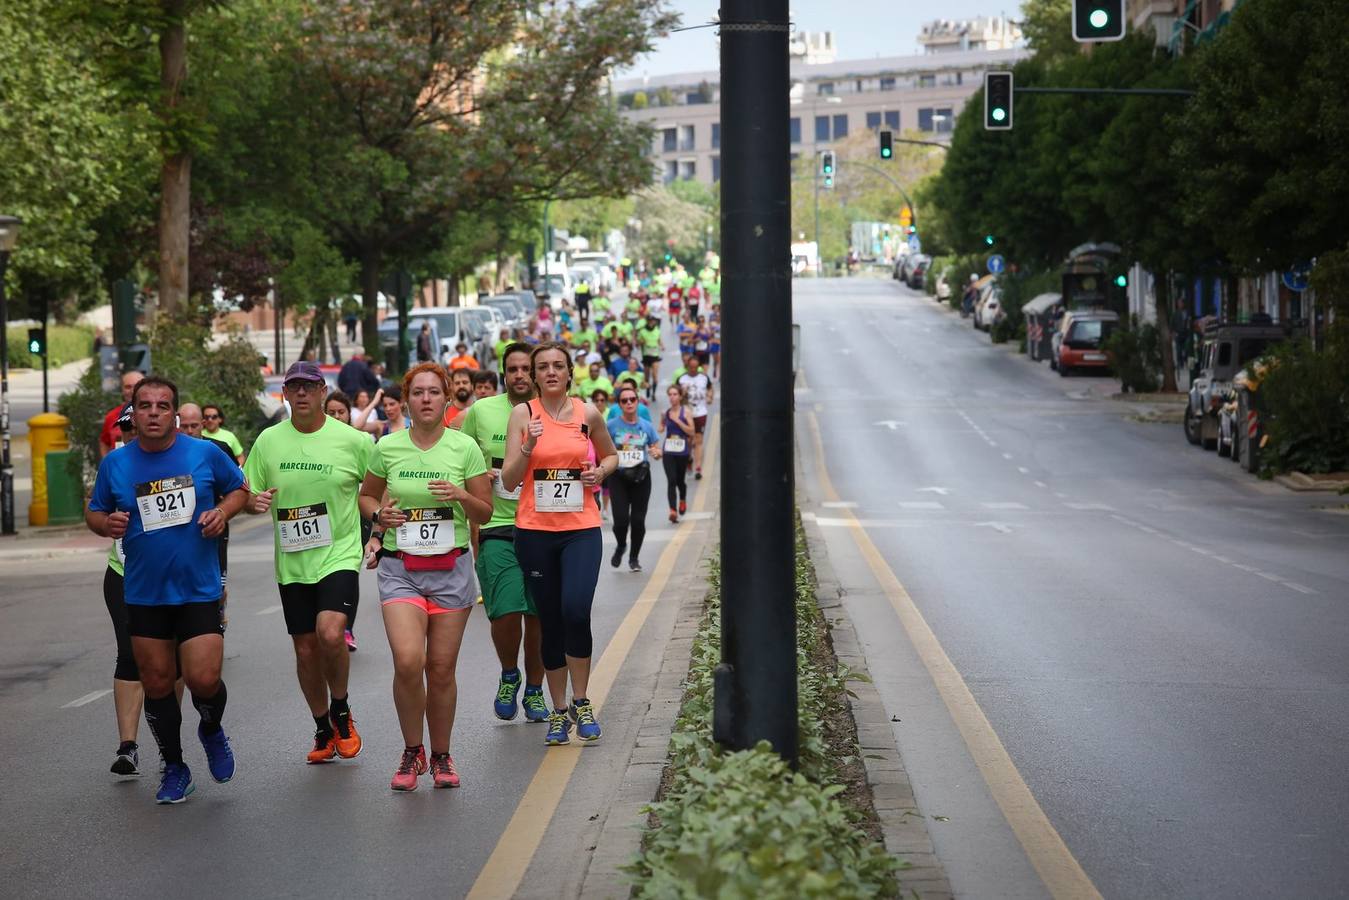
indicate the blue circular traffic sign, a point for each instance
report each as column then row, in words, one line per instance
column 1296, row 278
column 996, row 263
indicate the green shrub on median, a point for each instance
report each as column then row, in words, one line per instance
column 743, row 824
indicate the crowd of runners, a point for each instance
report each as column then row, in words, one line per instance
column 461, row 485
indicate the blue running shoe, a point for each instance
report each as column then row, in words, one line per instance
column 219, row 756
column 175, row 784
column 536, row 708
column 559, row 729
column 507, row 689
column 587, row 728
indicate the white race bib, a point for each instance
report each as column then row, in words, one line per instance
column 121, row 551
column 558, row 491
column 427, row 532
column 701, row 345
column 499, row 489
column 166, row 502
column 303, row 527
column 674, row 444
column 627, row 459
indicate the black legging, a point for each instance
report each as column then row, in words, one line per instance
column 676, row 473
column 628, row 501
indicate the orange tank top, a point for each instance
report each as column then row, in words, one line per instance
column 552, row 496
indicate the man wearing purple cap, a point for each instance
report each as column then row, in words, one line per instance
column 307, row 471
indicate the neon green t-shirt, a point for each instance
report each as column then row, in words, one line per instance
column 500, row 348
column 599, row 303
column 408, row 470
column 585, row 336
column 587, row 386
column 226, row 436
column 114, row 561
column 638, row 376
column 485, row 422
column 316, row 524
column 618, row 328
column 650, row 341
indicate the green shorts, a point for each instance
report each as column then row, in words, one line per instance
column 501, row 581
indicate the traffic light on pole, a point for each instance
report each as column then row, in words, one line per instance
column 997, row 101
column 988, row 239
column 37, row 341
column 887, row 145
column 827, row 167
column 1098, row 20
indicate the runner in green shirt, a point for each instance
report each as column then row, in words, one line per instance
column 595, row 382
column 509, row 608
column 649, row 339
column 583, row 337
column 436, row 482
column 306, row 472
column 213, row 417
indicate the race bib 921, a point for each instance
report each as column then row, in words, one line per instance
column 166, row 502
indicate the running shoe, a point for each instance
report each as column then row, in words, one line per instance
column 617, row 557
column 634, row 565
column 536, row 708
column 559, row 729
column 347, row 740
column 350, row 639
column 175, row 784
column 410, row 766
column 127, row 762
column 219, row 756
column 683, row 507
column 443, row 774
column 504, row 705
column 587, row 728
column 325, row 748
column 698, row 474
column 674, row 516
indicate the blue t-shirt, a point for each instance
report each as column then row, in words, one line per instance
column 168, row 562
column 633, row 435
column 618, row 367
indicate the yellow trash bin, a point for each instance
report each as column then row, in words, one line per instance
column 46, row 431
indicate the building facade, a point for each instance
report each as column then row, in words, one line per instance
column 919, row 94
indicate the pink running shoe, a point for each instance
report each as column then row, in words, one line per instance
column 351, row 640
column 412, row 764
column 443, row 774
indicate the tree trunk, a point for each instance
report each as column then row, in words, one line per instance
column 333, row 316
column 175, row 178
column 1162, row 301
column 370, row 263
column 452, row 290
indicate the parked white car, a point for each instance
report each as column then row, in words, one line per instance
column 988, row 310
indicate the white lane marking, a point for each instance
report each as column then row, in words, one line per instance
column 87, row 698
column 920, row 504
column 889, row 423
column 1023, row 470
column 1088, row 506
column 839, row 504
column 999, row 527
column 1003, row 505
column 870, row 523
column 1300, row 588
column 845, row 351
column 695, row 516
column 1041, row 484
column 934, row 490
column 267, row 611
column 1007, row 456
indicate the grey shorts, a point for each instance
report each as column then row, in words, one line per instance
column 433, row 591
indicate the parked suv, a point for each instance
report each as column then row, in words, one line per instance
column 1226, row 348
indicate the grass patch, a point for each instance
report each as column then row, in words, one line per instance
column 743, row 824
column 65, row 344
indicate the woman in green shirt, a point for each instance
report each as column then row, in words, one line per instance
column 437, row 483
column 213, row 427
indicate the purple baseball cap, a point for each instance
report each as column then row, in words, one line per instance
column 303, row 370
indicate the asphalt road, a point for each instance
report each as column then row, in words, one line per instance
column 281, row 828
column 1158, row 639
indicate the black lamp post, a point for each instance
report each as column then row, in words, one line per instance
column 9, row 236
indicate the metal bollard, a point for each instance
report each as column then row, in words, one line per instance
column 46, row 431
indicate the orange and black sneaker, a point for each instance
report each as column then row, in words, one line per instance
column 325, row 748
column 347, row 740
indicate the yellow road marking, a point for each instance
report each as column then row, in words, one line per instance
column 1053, row 861
column 510, row 859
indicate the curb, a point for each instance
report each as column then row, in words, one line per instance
column 1302, row 482
column 902, row 824
column 620, row 836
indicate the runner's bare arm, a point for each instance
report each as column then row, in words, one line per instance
column 517, row 460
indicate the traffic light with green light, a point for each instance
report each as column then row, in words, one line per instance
column 1121, row 280
column 997, row 101
column 1098, row 20
column 827, row 167
column 988, row 239
column 37, row 341
column 887, row 145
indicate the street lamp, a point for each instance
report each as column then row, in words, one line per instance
column 9, row 236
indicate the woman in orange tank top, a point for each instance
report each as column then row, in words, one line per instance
column 557, row 528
